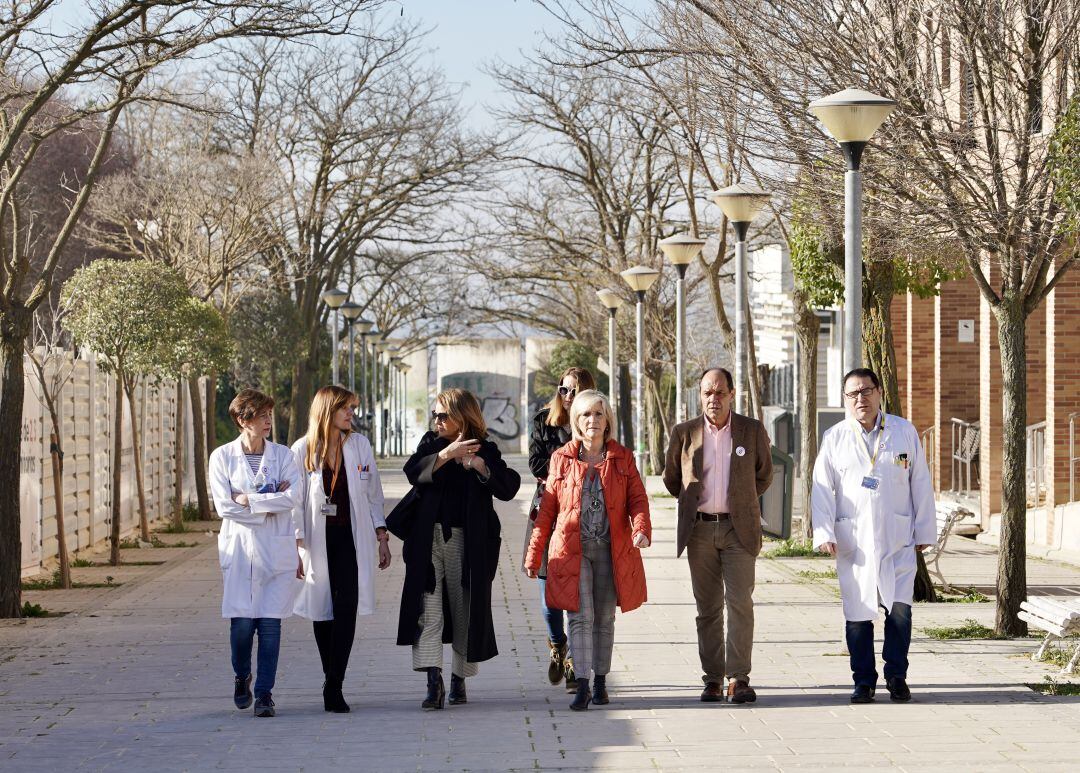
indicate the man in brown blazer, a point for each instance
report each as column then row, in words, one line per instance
column 718, row 465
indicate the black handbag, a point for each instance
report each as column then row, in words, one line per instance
column 399, row 521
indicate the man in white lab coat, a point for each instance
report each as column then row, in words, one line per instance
column 873, row 507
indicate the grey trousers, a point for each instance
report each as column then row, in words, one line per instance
column 446, row 557
column 592, row 627
column 722, row 573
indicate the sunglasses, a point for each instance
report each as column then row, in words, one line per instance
column 567, row 391
column 439, row 416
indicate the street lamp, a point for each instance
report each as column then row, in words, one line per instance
column 363, row 327
column 395, row 438
column 741, row 204
column 374, row 337
column 680, row 250
column 334, row 298
column 386, row 397
column 404, row 368
column 852, row 116
column 351, row 312
column 640, row 279
column 612, row 301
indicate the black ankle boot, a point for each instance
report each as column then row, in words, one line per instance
column 457, row 690
column 581, row 699
column 332, row 698
column 436, row 692
column 599, row 690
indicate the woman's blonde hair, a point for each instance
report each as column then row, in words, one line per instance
column 321, row 429
column 583, row 402
column 557, row 415
column 465, row 410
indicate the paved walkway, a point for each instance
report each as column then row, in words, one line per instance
column 138, row 678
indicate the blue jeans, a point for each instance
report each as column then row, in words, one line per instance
column 553, row 617
column 241, row 636
column 860, row 642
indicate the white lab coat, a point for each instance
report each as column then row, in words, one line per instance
column 365, row 514
column 257, row 543
column 875, row 531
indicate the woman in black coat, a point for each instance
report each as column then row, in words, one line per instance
column 452, row 538
column 550, row 432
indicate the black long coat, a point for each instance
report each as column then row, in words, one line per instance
column 413, row 520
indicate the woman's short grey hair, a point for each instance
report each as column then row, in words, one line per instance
column 583, row 402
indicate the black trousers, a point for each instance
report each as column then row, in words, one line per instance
column 335, row 637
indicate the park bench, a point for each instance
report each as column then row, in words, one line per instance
column 1059, row 617
column 949, row 516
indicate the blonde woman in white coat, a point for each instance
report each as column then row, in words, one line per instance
column 342, row 533
column 256, row 487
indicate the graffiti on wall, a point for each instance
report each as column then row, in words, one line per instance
column 498, row 395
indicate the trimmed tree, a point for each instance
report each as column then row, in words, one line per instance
column 126, row 312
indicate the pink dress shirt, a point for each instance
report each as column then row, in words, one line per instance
column 716, row 468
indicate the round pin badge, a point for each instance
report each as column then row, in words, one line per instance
column 740, row 451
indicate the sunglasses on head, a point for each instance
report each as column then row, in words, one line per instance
column 439, row 416
column 567, row 391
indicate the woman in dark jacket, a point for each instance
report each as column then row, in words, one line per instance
column 452, row 539
column 550, row 432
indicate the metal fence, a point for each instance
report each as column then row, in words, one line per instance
column 964, row 452
column 929, row 444
column 1074, row 458
column 1035, row 470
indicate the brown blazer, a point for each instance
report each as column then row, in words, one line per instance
column 750, row 477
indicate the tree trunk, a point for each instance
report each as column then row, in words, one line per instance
column 753, row 375
column 626, row 412
column 136, row 454
column 807, row 326
column 199, row 434
column 1012, row 552
column 655, row 422
column 13, row 332
column 300, row 399
column 211, row 412
column 178, row 460
column 58, row 498
column 274, row 395
column 118, row 451
column 879, row 353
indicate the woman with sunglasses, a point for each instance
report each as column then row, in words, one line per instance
column 342, row 533
column 550, row 432
column 452, row 537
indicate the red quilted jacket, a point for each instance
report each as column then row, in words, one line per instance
column 560, row 519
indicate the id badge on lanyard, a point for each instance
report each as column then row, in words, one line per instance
column 328, row 508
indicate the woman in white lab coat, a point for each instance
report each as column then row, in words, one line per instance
column 256, row 487
column 342, row 532
column 873, row 507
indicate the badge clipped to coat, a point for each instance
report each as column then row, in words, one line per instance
column 365, row 471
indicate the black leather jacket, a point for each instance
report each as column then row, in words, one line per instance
column 544, row 440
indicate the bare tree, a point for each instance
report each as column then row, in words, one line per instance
column 369, row 147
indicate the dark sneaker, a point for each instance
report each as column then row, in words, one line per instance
column 863, row 693
column 898, row 689
column 242, row 691
column 264, row 706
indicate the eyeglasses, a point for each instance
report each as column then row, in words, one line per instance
column 439, row 416
column 865, row 393
column 567, row 391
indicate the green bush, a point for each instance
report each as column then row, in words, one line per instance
column 33, row 610
column 795, row 548
column 968, row 629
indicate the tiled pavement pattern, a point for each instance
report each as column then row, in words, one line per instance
column 138, row 679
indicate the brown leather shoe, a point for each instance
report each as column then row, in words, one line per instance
column 740, row 692
column 713, row 693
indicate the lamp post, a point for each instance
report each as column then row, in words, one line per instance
column 404, row 368
column 363, row 327
column 395, row 440
column 334, row 298
column 741, row 204
column 640, row 279
column 351, row 312
column 374, row 337
column 680, row 250
column 852, row 116
column 612, row 301
column 386, row 406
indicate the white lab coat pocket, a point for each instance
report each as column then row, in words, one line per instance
column 227, row 545
column 845, row 536
column 283, row 555
column 901, row 532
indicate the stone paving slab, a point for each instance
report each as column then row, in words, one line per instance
column 139, row 679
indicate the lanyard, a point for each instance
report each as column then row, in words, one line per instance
column 337, row 470
column 877, row 446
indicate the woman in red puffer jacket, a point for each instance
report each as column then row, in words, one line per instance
column 596, row 514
